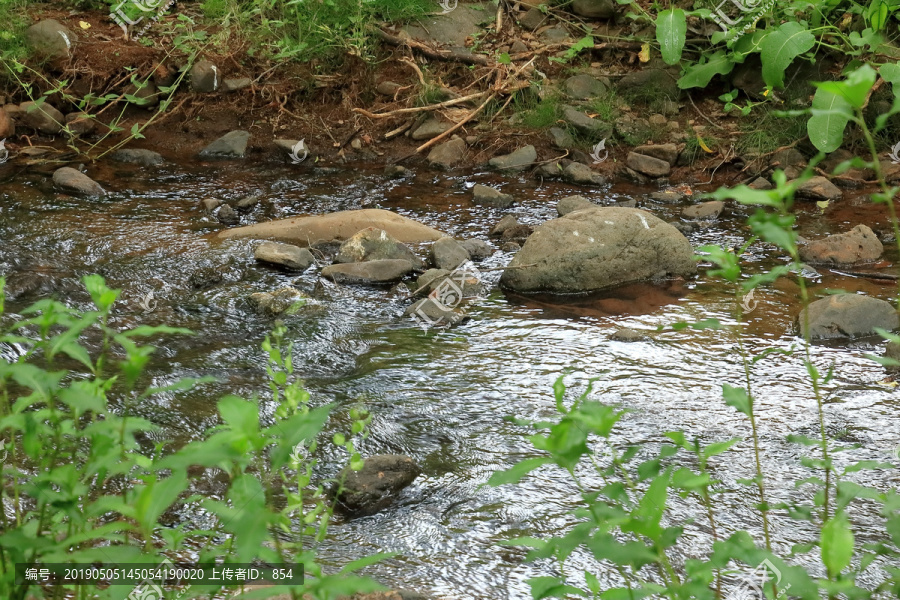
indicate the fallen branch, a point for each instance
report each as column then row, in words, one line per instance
column 885, row 276
column 462, row 122
column 429, row 52
column 416, row 109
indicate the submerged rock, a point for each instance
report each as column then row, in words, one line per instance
column 597, row 248
column 285, row 301
column 340, row 225
column 860, row 244
column 847, row 315
column 145, row 158
column 74, row 181
column 704, row 210
column 374, row 487
column 626, row 334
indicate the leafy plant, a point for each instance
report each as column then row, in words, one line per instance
column 81, row 483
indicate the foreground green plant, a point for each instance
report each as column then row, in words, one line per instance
column 80, row 483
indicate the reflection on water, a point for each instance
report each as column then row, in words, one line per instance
column 443, row 396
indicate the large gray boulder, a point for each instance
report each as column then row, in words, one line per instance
column 374, row 244
column 597, row 248
column 846, row 315
column 341, row 225
column 860, row 244
column 374, row 486
column 76, row 182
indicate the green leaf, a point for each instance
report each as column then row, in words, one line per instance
column 830, row 114
column 854, row 89
column 837, row 544
column 155, row 497
column 701, row 74
column 737, row 397
column 780, row 48
column 671, row 33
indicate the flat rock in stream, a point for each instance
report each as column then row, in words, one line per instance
column 372, row 272
column 487, row 196
column 597, row 248
column 340, row 226
column 704, row 210
column 860, row 244
column 516, row 161
column 374, row 487
column 284, row 255
column 648, row 165
column 231, row 145
column 847, row 315
column 819, row 188
column 74, row 181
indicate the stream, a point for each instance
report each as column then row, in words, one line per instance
column 442, row 396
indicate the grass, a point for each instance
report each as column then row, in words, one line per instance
column 14, row 19
column 331, row 30
column 762, row 131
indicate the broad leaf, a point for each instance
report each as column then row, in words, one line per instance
column 780, row 48
column 700, row 75
column 855, row 88
column 671, row 33
column 837, row 544
column 830, row 114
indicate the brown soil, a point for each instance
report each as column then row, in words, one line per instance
column 288, row 100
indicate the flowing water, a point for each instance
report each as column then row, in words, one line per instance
column 442, row 396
